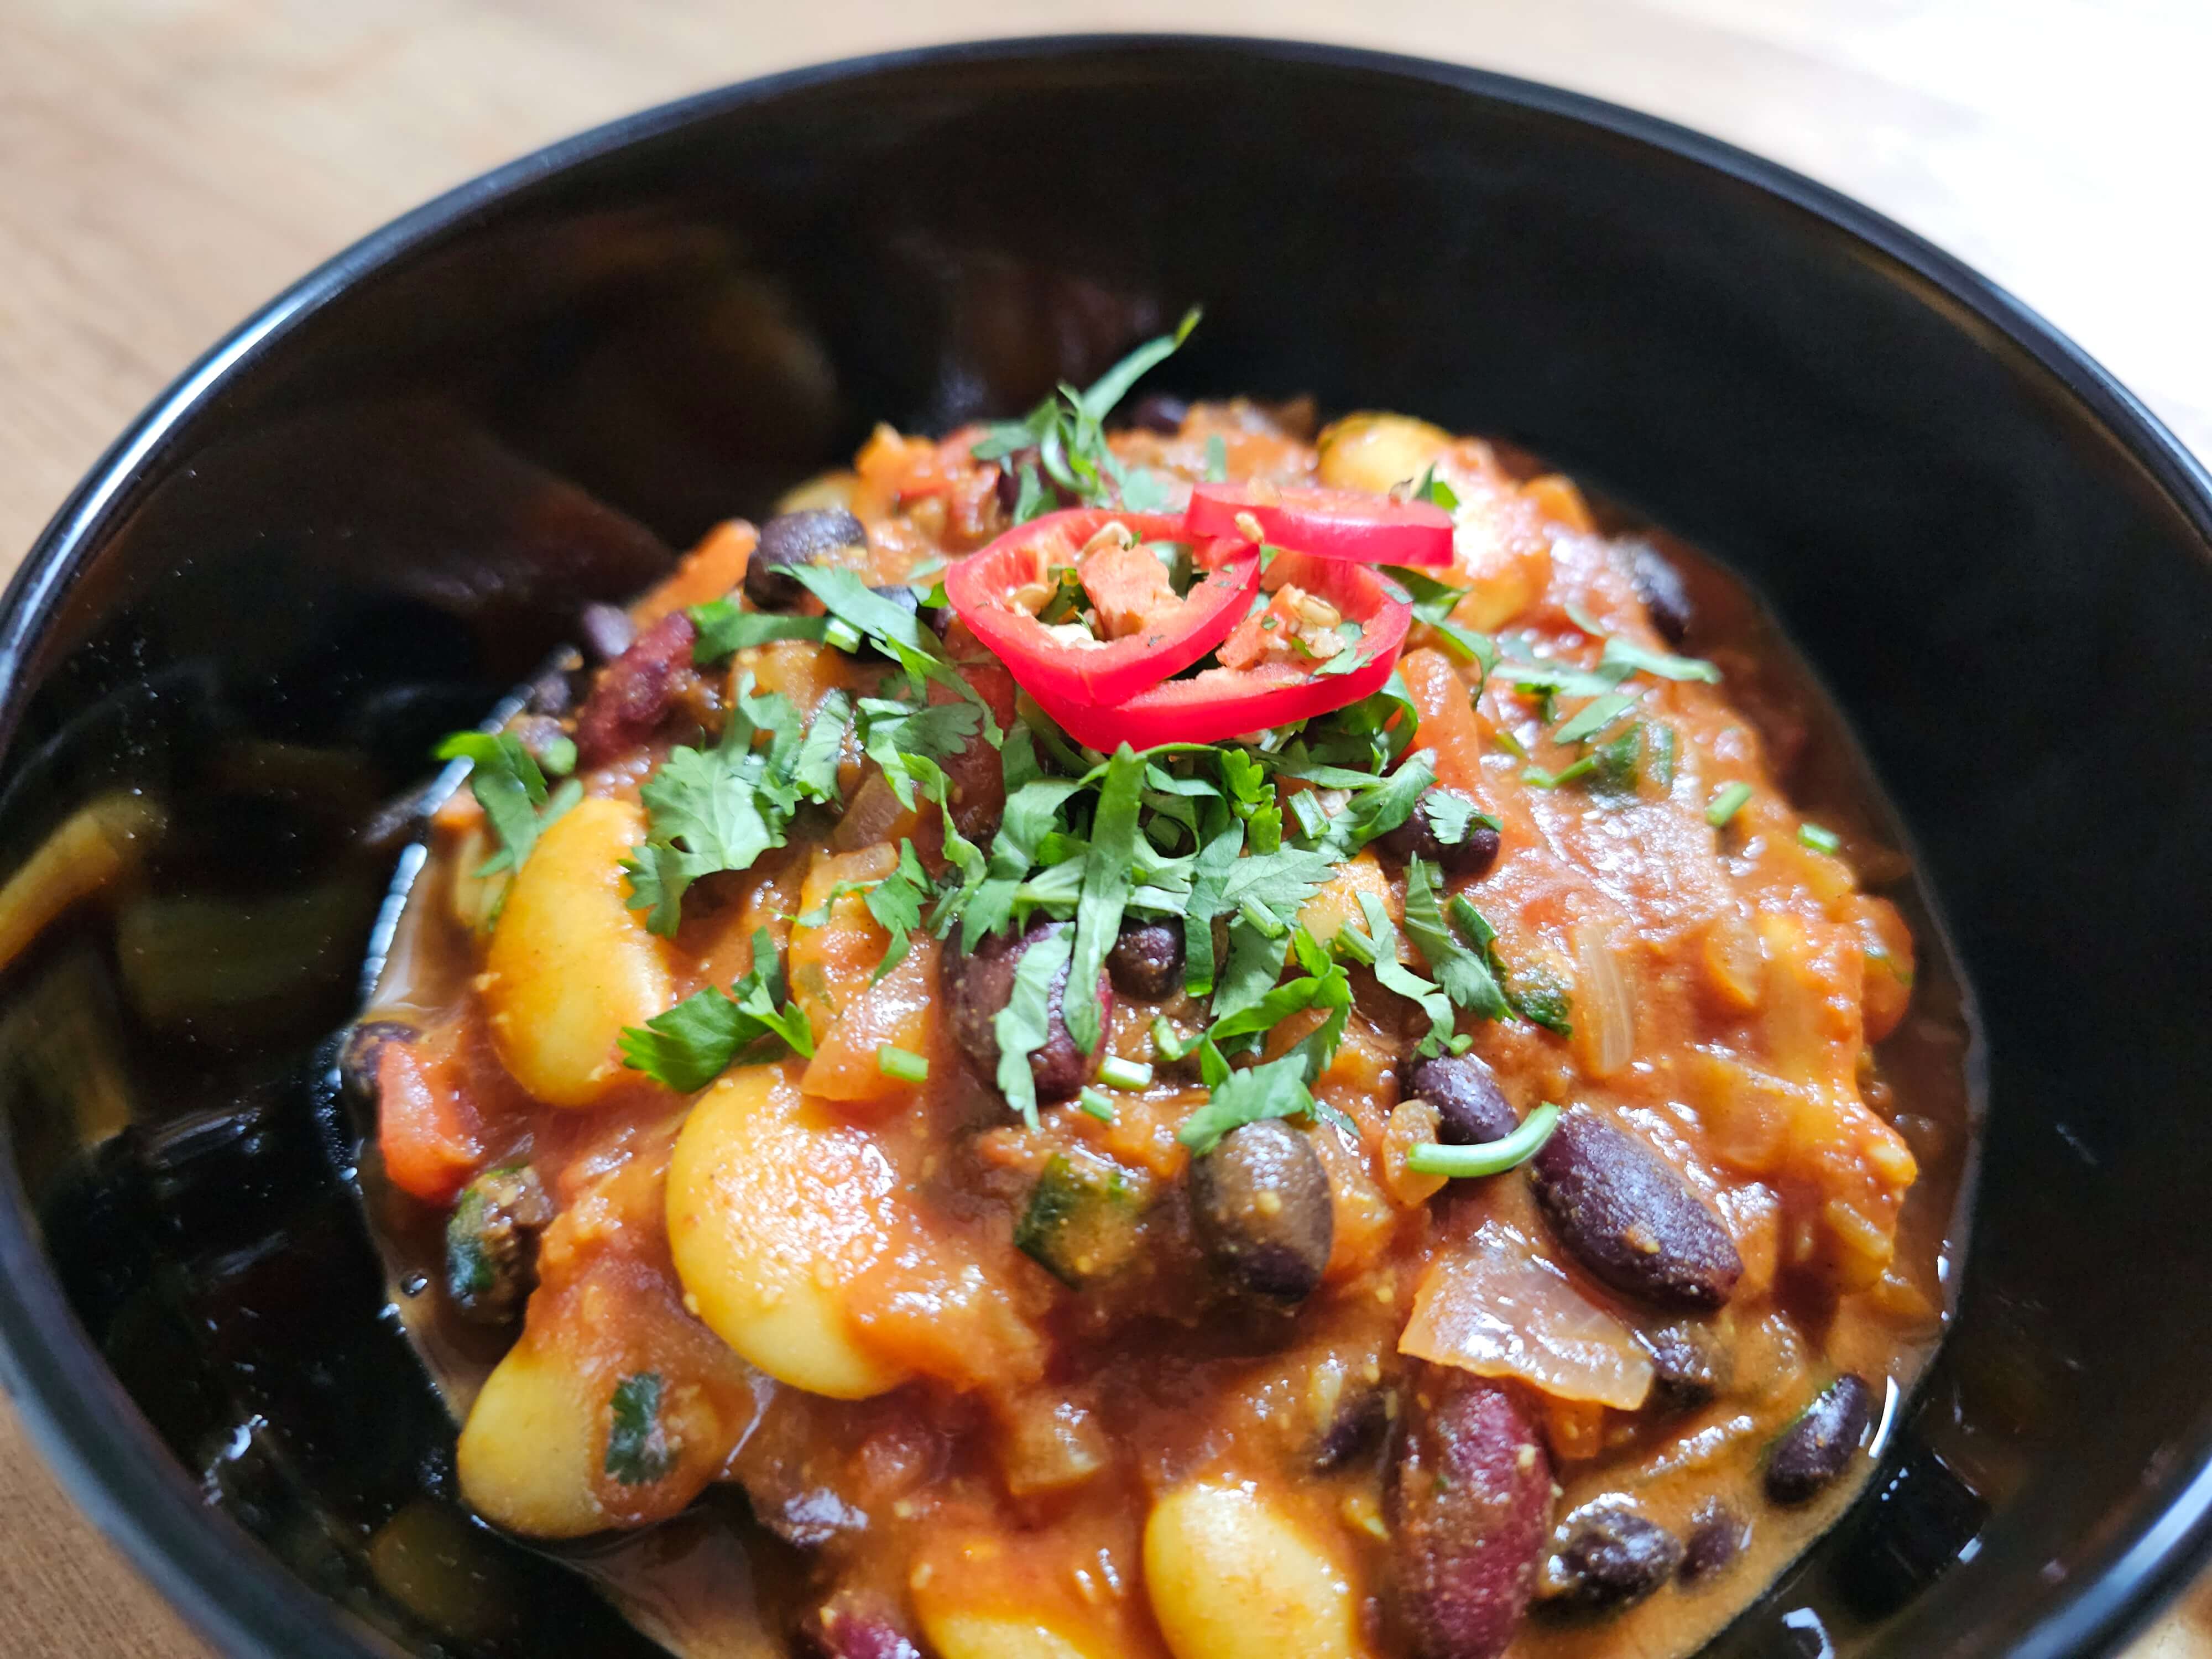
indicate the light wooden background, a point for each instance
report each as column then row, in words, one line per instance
column 165, row 165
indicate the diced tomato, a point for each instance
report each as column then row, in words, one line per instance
column 1328, row 523
column 1227, row 703
column 426, row 1127
column 996, row 592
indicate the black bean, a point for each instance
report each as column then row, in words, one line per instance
column 1146, row 961
column 791, row 538
column 1470, row 1107
column 1469, row 1502
column 1690, row 1363
column 1630, row 1217
column 1361, row 1419
column 491, row 1243
column 1470, row 856
column 607, row 630
column 364, row 1050
column 1159, row 411
column 1660, row 586
column 1607, row 1558
column 1260, row 1204
column 1716, row 1538
column 1820, row 1445
column 983, row 983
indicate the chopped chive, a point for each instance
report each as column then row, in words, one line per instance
column 1261, row 918
column 1727, row 804
column 1116, row 1072
column 1460, row 1044
column 902, row 1063
column 1166, row 1044
column 1820, row 840
column 1505, row 740
column 1489, row 1157
column 1094, row 1104
column 1537, row 778
column 842, row 635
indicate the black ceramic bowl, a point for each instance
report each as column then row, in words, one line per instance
column 379, row 503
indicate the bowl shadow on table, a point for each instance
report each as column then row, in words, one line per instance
column 387, row 524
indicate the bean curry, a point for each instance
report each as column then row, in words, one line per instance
column 1379, row 1130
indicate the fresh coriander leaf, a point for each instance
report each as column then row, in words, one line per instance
column 814, row 767
column 1254, row 964
column 710, row 810
column 1583, row 619
column 1347, row 657
column 1217, row 458
column 638, row 1448
column 895, row 904
column 1031, row 809
column 1277, row 1088
column 1659, row 755
column 1377, row 948
column 1209, row 882
column 1452, row 816
column 507, row 783
column 1618, row 763
column 1541, row 999
column 724, row 629
column 1465, row 975
column 1031, row 499
column 1544, row 679
column 1023, row 1025
column 1144, row 490
column 694, row 1042
column 1434, row 488
column 1108, row 390
column 898, row 631
column 1381, row 805
column 1108, row 872
column 1626, row 653
column 1594, row 716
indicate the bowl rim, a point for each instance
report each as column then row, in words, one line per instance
column 233, row 1591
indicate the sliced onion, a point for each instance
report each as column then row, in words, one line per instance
column 1493, row 1308
column 1605, row 1006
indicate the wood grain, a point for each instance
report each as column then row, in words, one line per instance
column 171, row 163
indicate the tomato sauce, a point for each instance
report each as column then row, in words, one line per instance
column 826, row 1287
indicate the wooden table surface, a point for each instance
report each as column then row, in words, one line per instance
column 168, row 164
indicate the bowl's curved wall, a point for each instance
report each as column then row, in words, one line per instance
column 379, row 505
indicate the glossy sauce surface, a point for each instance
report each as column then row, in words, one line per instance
column 965, row 1447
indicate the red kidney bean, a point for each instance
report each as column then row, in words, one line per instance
column 1260, row 1204
column 636, row 691
column 1608, row 1558
column 1716, row 1538
column 983, row 983
column 1660, row 586
column 1630, row 1218
column 1820, row 1445
column 1469, row 1502
column 1146, row 962
column 1471, row 1108
column 1416, row 838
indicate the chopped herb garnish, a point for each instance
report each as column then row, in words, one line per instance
column 1217, row 458
column 1537, row 778
column 1820, row 840
column 1465, row 975
column 638, row 1448
column 1277, row 1088
column 1624, row 653
column 1594, row 716
column 1023, row 1025
column 1094, row 1104
column 1727, row 804
column 1434, row 488
column 696, row 1041
column 1659, row 751
column 1488, row 1157
column 724, row 629
column 895, row 904
column 510, row 785
column 1109, row 872
column 901, row 1064
column 1067, row 431
column 1124, row 1074
column 1377, row 948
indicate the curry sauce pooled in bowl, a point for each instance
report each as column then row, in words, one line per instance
column 1197, row 1042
